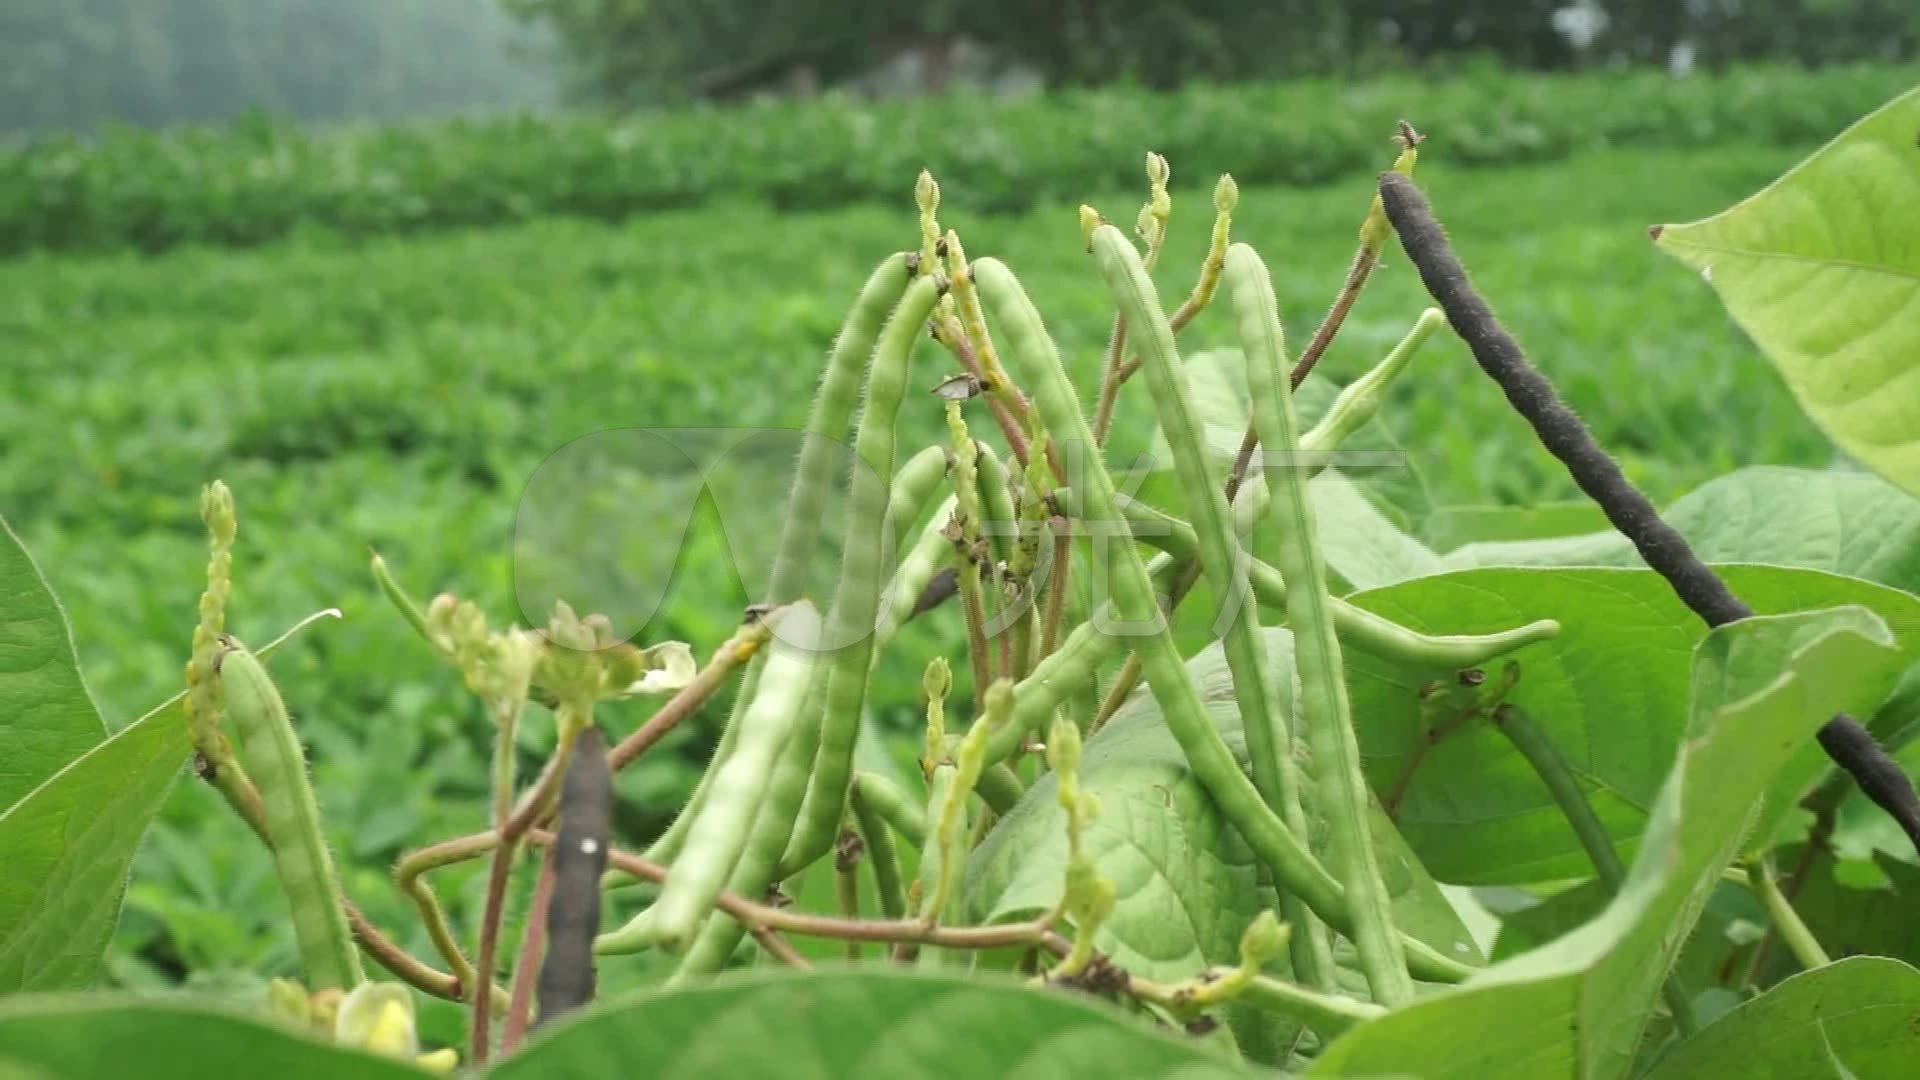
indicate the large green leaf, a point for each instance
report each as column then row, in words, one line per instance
column 872, row 1021
column 1848, row 522
column 1857, row 1014
column 1577, row 1008
column 1365, row 549
column 62, row 1037
column 1451, row 527
column 66, row 848
column 1610, row 691
column 1187, row 883
column 46, row 716
column 1822, row 270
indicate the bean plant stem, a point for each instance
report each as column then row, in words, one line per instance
column 786, row 920
column 526, row 966
column 534, row 805
column 846, row 884
column 1565, row 436
column 744, row 645
column 1786, row 921
column 1539, row 752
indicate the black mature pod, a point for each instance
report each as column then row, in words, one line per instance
column 1565, row 436
column 579, row 858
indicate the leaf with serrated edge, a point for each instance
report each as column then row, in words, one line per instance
column 67, row 847
column 1610, row 691
column 1577, row 1007
column 1822, row 269
column 872, row 1021
column 46, row 716
column 1867, row 1006
column 70, row 1037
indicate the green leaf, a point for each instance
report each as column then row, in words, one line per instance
column 1860, row 1010
column 1187, row 885
column 1696, row 968
column 1610, row 691
column 1450, row 527
column 67, row 846
column 870, row 1021
column 1577, row 1008
column 1848, row 522
column 1822, row 269
column 73, row 1038
column 46, row 716
column 1371, row 550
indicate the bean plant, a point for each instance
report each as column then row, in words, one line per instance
column 1548, row 806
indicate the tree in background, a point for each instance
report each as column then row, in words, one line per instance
column 77, row 63
column 635, row 52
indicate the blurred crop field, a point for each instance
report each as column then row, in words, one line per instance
column 396, row 394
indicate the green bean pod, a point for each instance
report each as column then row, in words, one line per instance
column 759, row 865
column 945, row 858
column 1323, row 705
column 857, row 598
column 1360, row 629
column 834, row 403
column 270, row 752
column 915, row 482
column 833, row 408
column 882, row 854
column 886, row 798
column 720, row 833
column 1186, row 718
column 1000, row 788
column 998, row 519
column 1224, row 561
column 926, row 557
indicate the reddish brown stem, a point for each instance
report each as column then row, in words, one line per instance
column 1363, row 264
column 785, row 920
column 526, row 967
column 1110, row 383
column 1056, row 610
column 726, row 659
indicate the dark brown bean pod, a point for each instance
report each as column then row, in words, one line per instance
column 579, row 858
column 1565, row 436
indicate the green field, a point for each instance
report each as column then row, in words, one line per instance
column 397, row 394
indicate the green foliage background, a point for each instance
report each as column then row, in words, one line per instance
column 259, row 180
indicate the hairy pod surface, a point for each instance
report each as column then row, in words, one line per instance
column 270, row 752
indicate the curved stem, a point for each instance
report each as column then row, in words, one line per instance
column 1786, row 921
column 1539, row 753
